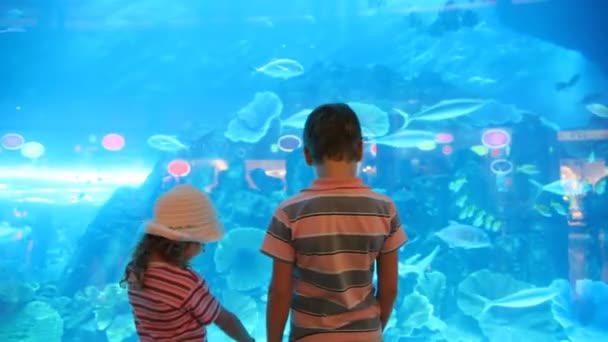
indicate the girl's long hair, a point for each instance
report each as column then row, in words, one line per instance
column 172, row 252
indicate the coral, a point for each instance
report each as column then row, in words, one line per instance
column 432, row 285
column 416, row 312
column 121, row 328
column 36, row 321
column 582, row 312
column 238, row 256
column 108, row 309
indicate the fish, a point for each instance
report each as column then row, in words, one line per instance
column 496, row 226
column 559, row 86
column 457, row 184
column 558, row 208
column 542, row 210
column 458, row 235
column 446, row 109
column 166, row 143
column 598, row 109
column 564, row 187
column 460, row 202
column 480, row 150
column 404, row 138
column 11, row 29
column 297, row 120
column 478, row 222
column 527, row 169
column 488, row 222
column 283, row 68
column 471, row 210
column 521, row 299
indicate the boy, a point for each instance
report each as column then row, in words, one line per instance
column 325, row 240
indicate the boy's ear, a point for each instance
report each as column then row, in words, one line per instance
column 307, row 157
column 360, row 151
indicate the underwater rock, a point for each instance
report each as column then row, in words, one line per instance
column 102, row 251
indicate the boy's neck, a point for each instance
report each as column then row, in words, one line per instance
column 336, row 169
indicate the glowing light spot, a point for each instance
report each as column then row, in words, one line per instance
column 77, row 148
column 427, row 146
column 32, row 150
column 274, row 148
column 373, row 149
column 289, row 142
column 501, row 167
column 444, row 138
column 179, row 168
column 447, row 150
column 508, row 181
column 219, row 164
column 12, row 141
column 92, row 138
column 496, row 153
column 495, row 138
column 113, row 142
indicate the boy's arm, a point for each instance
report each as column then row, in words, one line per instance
column 279, row 300
column 278, row 245
column 388, row 267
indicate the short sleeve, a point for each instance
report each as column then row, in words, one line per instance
column 278, row 240
column 202, row 304
column 396, row 237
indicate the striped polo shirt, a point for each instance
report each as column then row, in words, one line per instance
column 174, row 305
column 333, row 233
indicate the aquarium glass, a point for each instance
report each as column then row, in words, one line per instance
column 485, row 121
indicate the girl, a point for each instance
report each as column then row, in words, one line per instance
column 170, row 301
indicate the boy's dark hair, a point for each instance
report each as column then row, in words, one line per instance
column 332, row 132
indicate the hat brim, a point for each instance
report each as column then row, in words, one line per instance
column 195, row 234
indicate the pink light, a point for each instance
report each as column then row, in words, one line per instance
column 289, row 142
column 113, row 142
column 179, row 168
column 12, row 141
column 373, row 149
column 495, row 153
column 447, row 150
column 444, row 138
column 495, row 138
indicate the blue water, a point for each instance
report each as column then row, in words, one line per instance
column 85, row 85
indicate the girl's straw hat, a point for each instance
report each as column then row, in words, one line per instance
column 185, row 213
